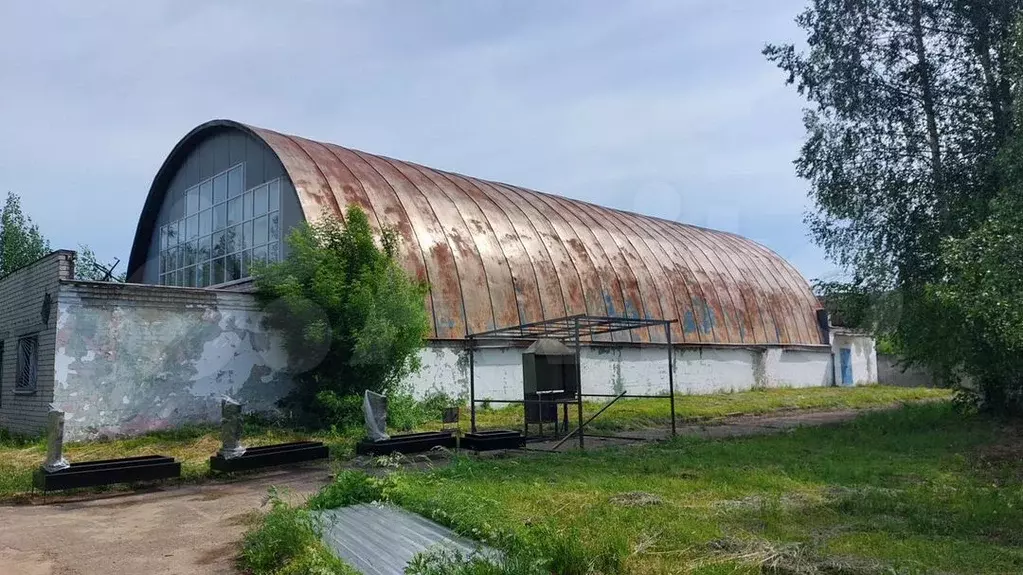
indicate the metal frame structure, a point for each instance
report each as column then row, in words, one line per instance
column 571, row 328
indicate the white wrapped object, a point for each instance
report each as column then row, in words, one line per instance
column 374, row 407
column 231, row 428
column 55, row 441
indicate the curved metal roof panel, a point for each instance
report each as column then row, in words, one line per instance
column 497, row 255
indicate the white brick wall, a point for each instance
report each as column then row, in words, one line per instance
column 21, row 305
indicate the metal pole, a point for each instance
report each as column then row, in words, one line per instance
column 472, row 385
column 579, row 384
column 587, row 422
column 671, row 376
column 539, row 410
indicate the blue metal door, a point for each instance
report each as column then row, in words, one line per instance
column 845, row 355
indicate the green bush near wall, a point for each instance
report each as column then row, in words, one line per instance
column 351, row 318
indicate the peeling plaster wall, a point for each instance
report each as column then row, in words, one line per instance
column 133, row 358
column 638, row 370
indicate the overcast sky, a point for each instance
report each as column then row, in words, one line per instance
column 661, row 107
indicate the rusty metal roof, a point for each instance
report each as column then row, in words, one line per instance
column 498, row 255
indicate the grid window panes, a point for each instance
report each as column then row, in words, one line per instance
column 223, row 231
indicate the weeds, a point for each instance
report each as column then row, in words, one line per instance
column 285, row 533
column 405, row 412
column 634, row 414
column 542, row 552
column 788, row 559
column 444, row 561
column 287, row 542
column 567, row 555
column 350, row 488
column 14, row 440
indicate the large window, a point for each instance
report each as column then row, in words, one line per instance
column 224, row 230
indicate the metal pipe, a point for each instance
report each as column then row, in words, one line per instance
column 625, row 437
column 671, row 376
column 583, row 424
column 527, row 401
column 539, row 450
column 631, row 396
column 578, row 386
column 539, row 419
column 604, row 395
column 472, row 384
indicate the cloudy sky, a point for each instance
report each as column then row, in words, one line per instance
column 661, row 107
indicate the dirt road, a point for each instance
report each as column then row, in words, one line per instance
column 180, row 530
column 196, row 529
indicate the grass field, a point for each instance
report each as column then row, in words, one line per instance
column 920, row 490
column 629, row 414
column 194, row 445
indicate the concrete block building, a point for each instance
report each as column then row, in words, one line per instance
column 161, row 349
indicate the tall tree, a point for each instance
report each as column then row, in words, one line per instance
column 981, row 290
column 909, row 104
column 20, row 240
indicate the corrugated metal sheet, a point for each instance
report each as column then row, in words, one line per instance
column 497, row 255
column 381, row 540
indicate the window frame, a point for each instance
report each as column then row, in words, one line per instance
column 171, row 265
column 26, row 379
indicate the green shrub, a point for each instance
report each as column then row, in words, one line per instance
column 317, row 560
column 405, row 412
column 350, row 317
column 349, row 488
column 8, row 439
column 285, row 532
column 287, row 542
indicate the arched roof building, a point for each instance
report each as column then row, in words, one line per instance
column 494, row 254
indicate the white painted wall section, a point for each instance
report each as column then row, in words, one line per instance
column 638, row 370
column 863, row 356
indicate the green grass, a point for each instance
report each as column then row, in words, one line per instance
column 194, row 445
column 287, row 542
column 629, row 414
column 920, row 490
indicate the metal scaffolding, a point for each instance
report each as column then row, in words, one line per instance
column 571, row 328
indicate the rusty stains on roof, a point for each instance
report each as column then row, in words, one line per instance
column 497, row 255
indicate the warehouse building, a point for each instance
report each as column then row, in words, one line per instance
column 162, row 349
